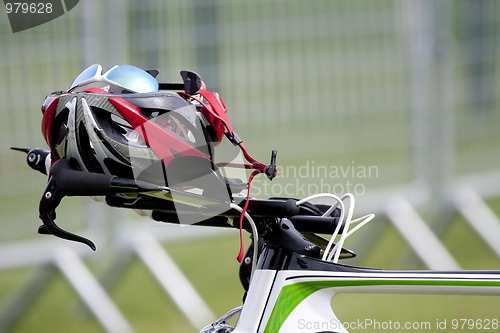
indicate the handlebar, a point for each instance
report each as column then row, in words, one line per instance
column 72, row 182
column 66, row 180
column 259, row 209
column 273, row 208
column 315, row 224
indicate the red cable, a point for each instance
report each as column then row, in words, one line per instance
column 242, row 216
column 254, row 164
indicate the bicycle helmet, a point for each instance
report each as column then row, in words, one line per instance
column 141, row 140
column 121, row 123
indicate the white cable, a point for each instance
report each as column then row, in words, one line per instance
column 328, row 255
column 255, row 237
column 338, row 201
column 362, row 222
column 334, row 254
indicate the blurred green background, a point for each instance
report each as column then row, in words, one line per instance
column 380, row 98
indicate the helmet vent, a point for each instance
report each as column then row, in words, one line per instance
column 59, row 132
column 87, row 153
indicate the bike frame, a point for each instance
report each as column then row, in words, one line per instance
column 288, row 288
column 287, row 285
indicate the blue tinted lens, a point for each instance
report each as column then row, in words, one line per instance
column 87, row 74
column 133, row 79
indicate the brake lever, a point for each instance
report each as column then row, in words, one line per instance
column 66, row 180
column 51, row 198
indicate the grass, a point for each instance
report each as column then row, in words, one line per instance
column 210, row 265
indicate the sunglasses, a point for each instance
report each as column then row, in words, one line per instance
column 123, row 76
